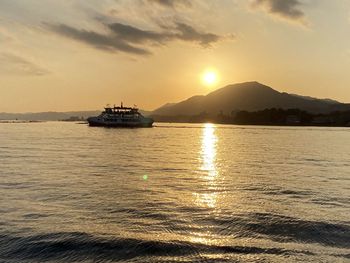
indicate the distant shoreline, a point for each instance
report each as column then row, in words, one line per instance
column 21, row 121
column 267, row 117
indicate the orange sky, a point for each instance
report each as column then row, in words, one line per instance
column 81, row 55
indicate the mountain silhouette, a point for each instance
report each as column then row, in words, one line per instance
column 248, row 96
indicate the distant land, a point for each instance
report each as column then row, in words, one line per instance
column 52, row 116
column 248, row 96
column 242, row 103
column 252, row 103
column 46, row 116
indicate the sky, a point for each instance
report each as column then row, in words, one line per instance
column 83, row 54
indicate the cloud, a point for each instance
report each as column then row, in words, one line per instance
column 172, row 3
column 107, row 42
column 136, row 35
column 133, row 40
column 188, row 33
column 13, row 64
column 288, row 9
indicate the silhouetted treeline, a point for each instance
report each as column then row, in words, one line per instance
column 290, row 117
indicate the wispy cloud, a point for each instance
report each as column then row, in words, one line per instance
column 188, row 33
column 130, row 39
column 133, row 27
column 172, row 3
column 107, row 42
column 287, row 9
column 14, row 64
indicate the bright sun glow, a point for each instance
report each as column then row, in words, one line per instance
column 209, row 78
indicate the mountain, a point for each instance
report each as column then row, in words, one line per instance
column 248, row 96
column 311, row 98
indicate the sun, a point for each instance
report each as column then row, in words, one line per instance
column 209, row 77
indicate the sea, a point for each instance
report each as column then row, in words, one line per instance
column 174, row 193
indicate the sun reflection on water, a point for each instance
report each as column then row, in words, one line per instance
column 208, row 153
column 208, row 166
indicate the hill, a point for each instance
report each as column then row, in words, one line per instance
column 248, row 96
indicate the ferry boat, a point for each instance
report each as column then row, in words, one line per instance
column 120, row 117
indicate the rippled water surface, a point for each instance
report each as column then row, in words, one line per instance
column 174, row 193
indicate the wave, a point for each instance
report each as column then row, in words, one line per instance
column 76, row 246
column 282, row 228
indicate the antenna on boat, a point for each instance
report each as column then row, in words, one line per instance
column 121, row 104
